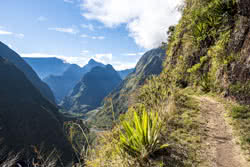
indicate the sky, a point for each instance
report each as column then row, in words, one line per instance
column 116, row 32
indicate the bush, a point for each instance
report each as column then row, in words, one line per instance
column 140, row 137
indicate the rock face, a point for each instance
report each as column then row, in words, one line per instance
column 62, row 85
column 15, row 59
column 47, row 66
column 92, row 89
column 27, row 118
column 149, row 64
column 217, row 59
column 244, row 7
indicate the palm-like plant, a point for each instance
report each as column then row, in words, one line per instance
column 140, row 137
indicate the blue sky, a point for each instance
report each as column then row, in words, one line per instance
column 117, row 32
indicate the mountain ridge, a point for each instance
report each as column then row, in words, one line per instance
column 15, row 59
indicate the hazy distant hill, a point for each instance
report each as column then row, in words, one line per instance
column 26, row 117
column 47, row 66
column 14, row 58
column 62, row 85
column 92, row 89
column 124, row 73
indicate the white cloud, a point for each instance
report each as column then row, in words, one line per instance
column 42, row 18
column 105, row 58
column 70, row 30
column 3, row 32
column 93, row 37
column 88, row 26
column 146, row 20
column 69, row 1
column 134, row 54
column 10, row 46
column 98, row 37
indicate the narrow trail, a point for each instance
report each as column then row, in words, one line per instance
column 222, row 150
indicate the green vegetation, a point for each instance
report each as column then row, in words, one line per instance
column 140, row 137
column 240, row 118
column 203, row 56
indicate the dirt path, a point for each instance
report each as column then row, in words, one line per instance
column 222, row 150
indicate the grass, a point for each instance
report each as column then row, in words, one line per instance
column 239, row 116
column 129, row 143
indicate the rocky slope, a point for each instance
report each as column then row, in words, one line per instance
column 92, row 89
column 62, row 85
column 27, row 118
column 14, row 58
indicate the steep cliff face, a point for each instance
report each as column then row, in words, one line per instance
column 15, row 59
column 212, row 51
column 27, row 118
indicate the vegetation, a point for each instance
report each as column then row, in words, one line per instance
column 240, row 118
column 202, row 56
column 140, row 137
column 206, row 53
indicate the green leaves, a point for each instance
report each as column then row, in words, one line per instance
column 211, row 20
column 140, row 136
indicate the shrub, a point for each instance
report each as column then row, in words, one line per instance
column 140, row 137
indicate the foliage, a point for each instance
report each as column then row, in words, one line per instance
column 154, row 92
column 140, row 137
column 80, row 138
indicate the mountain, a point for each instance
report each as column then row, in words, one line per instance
column 62, row 85
column 124, row 73
column 92, row 89
column 149, row 64
column 27, row 118
column 15, row 59
column 47, row 66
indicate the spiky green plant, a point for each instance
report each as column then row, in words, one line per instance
column 140, row 136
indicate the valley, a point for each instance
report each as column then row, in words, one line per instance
column 116, row 91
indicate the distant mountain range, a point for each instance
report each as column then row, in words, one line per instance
column 45, row 67
column 26, row 117
column 149, row 64
column 14, row 58
column 61, row 76
column 92, row 89
column 62, row 85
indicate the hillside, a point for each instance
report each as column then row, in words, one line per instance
column 92, row 89
column 124, row 73
column 120, row 99
column 196, row 112
column 47, row 66
column 62, row 85
column 14, row 58
column 27, row 118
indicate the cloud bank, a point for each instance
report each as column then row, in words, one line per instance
column 147, row 20
column 5, row 32
column 105, row 58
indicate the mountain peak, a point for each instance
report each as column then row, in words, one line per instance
column 92, row 61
